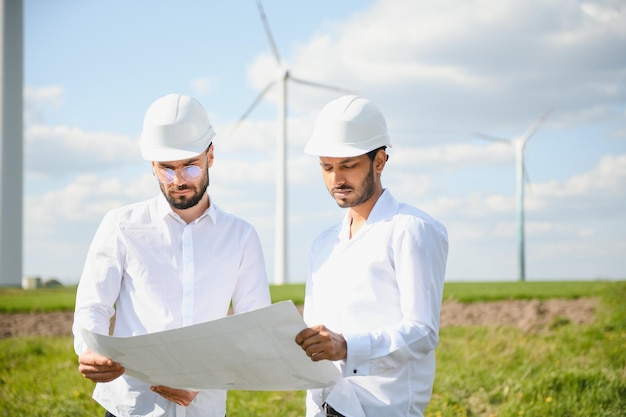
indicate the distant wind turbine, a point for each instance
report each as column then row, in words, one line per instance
column 280, row 249
column 519, row 144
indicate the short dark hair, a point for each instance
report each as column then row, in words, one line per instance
column 372, row 154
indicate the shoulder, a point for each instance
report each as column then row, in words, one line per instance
column 227, row 219
column 330, row 234
column 410, row 218
column 331, row 231
column 131, row 212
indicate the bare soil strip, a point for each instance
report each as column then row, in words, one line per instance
column 528, row 315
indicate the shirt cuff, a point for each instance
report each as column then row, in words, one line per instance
column 359, row 354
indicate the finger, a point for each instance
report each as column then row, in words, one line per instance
column 179, row 396
column 98, row 361
column 95, row 360
column 306, row 346
column 326, row 349
column 115, row 367
column 312, row 341
column 318, row 356
column 163, row 392
column 305, row 334
column 102, row 376
column 313, row 349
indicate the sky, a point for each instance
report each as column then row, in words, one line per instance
column 441, row 71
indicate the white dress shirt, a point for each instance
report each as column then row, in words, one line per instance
column 382, row 290
column 156, row 272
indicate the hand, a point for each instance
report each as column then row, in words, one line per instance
column 179, row 396
column 321, row 343
column 98, row 368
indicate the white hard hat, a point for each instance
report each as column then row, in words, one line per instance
column 175, row 127
column 348, row 126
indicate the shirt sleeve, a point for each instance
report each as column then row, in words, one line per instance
column 252, row 289
column 419, row 254
column 99, row 285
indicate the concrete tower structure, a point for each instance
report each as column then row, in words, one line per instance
column 11, row 141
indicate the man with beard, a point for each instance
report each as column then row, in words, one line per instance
column 168, row 262
column 373, row 293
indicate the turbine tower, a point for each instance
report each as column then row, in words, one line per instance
column 280, row 225
column 519, row 144
column 11, row 141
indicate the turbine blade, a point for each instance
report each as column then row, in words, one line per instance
column 268, row 32
column 320, row 85
column 490, row 138
column 252, row 106
column 531, row 131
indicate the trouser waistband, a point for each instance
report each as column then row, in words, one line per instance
column 331, row 412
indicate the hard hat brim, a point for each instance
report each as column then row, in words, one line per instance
column 158, row 148
column 345, row 150
column 169, row 154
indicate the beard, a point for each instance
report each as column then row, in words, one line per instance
column 364, row 192
column 182, row 202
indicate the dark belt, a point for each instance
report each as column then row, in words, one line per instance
column 331, row 412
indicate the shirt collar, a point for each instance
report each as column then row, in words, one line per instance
column 164, row 209
column 385, row 207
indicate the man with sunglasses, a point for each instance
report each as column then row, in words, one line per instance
column 168, row 262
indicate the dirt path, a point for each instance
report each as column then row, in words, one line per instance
column 528, row 315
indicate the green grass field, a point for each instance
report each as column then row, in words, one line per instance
column 13, row 300
column 566, row 370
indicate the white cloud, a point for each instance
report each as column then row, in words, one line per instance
column 86, row 198
column 54, row 149
column 237, row 172
column 607, row 181
column 38, row 100
column 451, row 157
column 51, row 95
column 480, row 63
column 202, row 86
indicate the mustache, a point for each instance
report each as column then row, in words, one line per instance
column 341, row 187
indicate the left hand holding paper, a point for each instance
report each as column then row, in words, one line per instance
column 179, row 396
column 98, row 368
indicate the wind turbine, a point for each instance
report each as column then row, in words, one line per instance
column 519, row 144
column 11, row 142
column 280, row 225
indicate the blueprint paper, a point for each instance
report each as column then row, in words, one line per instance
column 254, row 351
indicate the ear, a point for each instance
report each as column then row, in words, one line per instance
column 210, row 156
column 380, row 160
